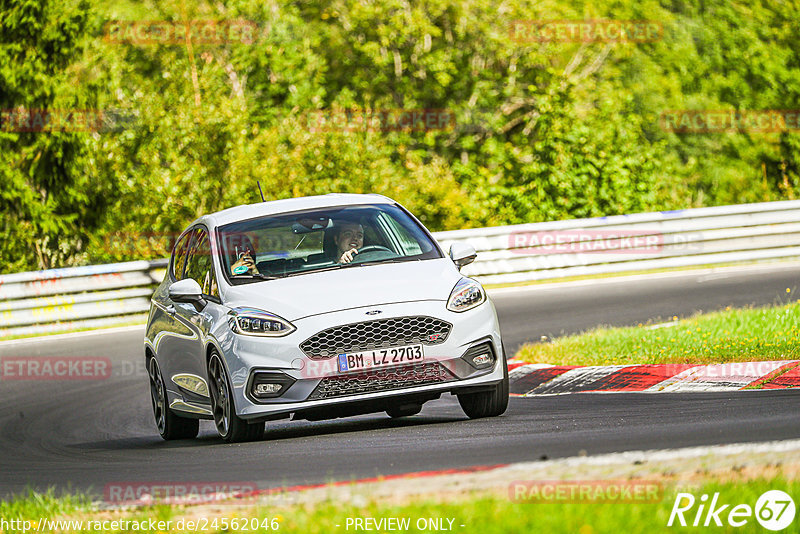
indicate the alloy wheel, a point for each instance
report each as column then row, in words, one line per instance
column 220, row 396
column 157, row 395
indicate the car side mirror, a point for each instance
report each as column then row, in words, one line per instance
column 188, row 291
column 462, row 254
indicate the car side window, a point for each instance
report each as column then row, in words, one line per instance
column 200, row 266
column 407, row 242
column 371, row 235
column 179, row 255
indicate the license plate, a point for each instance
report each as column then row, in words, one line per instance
column 369, row 359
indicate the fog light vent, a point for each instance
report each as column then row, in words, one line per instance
column 266, row 389
column 480, row 356
column 482, row 359
column 269, row 384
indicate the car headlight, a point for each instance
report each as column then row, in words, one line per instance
column 466, row 295
column 253, row 322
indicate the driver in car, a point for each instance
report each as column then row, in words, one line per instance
column 348, row 238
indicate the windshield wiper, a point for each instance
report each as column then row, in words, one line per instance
column 388, row 260
column 328, row 268
column 246, row 276
column 337, row 266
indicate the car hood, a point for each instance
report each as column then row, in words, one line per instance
column 304, row 295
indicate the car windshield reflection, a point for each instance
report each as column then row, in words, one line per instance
column 293, row 244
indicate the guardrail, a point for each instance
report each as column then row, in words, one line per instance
column 77, row 297
column 643, row 241
column 93, row 296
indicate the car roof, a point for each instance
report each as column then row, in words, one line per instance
column 274, row 207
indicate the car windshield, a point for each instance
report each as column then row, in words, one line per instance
column 323, row 239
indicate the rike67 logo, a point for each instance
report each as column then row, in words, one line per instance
column 774, row 510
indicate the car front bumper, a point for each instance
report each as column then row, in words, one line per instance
column 318, row 384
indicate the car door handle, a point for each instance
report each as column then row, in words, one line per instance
column 171, row 309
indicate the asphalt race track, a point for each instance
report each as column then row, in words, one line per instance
column 86, row 434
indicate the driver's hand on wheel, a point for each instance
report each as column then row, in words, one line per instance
column 348, row 256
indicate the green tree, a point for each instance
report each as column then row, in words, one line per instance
column 51, row 198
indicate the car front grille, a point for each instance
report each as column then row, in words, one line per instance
column 376, row 335
column 381, row 380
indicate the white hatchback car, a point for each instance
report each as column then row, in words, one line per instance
column 317, row 307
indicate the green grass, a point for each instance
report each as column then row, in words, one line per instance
column 484, row 514
column 35, row 505
column 733, row 335
column 499, row 515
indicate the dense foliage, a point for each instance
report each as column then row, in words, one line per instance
column 539, row 131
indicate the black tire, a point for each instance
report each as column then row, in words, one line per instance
column 170, row 425
column 406, row 410
column 230, row 426
column 487, row 403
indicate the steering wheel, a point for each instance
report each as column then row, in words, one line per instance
column 374, row 248
column 373, row 253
